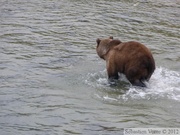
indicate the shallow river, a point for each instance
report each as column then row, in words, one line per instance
column 53, row 82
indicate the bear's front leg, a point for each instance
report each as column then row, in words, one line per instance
column 112, row 79
column 112, row 74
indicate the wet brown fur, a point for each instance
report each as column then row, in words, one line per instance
column 130, row 58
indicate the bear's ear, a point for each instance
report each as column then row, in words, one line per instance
column 114, row 42
column 98, row 41
column 111, row 37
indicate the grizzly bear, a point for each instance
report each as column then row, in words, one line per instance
column 133, row 59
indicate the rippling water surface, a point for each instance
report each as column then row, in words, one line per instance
column 52, row 81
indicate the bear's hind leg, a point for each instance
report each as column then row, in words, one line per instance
column 138, row 83
column 134, row 76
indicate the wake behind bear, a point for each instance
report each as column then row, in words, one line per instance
column 133, row 59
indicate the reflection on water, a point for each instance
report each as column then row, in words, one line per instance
column 52, row 81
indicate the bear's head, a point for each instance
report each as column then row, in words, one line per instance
column 104, row 45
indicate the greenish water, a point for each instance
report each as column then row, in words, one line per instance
column 53, row 82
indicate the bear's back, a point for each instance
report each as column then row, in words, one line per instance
column 133, row 48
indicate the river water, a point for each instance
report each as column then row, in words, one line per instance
column 52, row 81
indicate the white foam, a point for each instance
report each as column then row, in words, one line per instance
column 164, row 83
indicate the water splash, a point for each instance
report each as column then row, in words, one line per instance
column 164, row 83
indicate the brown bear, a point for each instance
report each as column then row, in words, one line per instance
column 133, row 59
